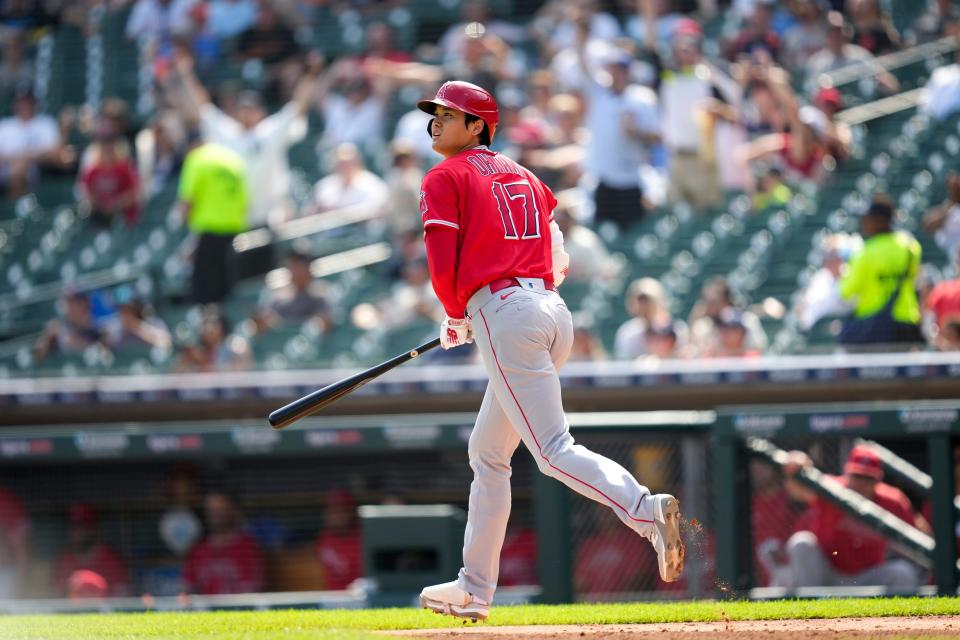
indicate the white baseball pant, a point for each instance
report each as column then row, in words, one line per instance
column 524, row 335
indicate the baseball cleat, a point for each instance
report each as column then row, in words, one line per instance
column 665, row 536
column 450, row 600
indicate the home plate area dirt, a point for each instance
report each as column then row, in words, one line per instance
column 859, row 628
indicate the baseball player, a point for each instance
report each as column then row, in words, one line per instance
column 495, row 257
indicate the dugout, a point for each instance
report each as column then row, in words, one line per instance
column 924, row 433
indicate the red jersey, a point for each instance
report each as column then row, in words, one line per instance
column 614, row 561
column 771, row 517
column 101, row 559
column 944, row 301
column 341, row 556
column 106, row 183
column 501, row 213
column 14, row 526
column 518, row 559
column 852, row 547
column 235, row 566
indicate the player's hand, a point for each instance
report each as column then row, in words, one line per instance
column 561, row 265
column 455, row 332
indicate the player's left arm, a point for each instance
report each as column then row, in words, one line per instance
column 561, row 259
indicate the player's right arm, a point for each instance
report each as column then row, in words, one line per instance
column 440, row 213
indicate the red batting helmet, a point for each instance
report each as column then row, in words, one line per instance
column 468, row 98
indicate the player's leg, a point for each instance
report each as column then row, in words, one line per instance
column 807, row 562
column 898, row 575
column 522, row 342
column 492, row 443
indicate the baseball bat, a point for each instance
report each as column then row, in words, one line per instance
column 316, row 400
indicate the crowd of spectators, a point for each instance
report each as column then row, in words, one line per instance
column 623, row 107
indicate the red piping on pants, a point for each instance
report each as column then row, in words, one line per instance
column 534, row 436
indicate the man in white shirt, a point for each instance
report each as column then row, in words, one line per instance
column 262, row 140
column 27, row 139
column 839, row 52
column 349, row 184
column 622, row 121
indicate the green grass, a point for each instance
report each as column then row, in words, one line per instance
column 357, row 624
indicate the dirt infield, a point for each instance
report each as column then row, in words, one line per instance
column 919, row 627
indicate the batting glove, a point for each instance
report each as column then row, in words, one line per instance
column 455, row 332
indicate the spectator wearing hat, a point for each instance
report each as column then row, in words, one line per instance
column 647, row 304
column 339, row 546
column 942, row 306
column 621, row 118
column 716, row 296
column 806, row 36
column 28, row 140
column 661, row 341
column 86, row 551
column 134, row 324
column 261, row 140
column 731, row 336
column 71, row 333
column 756, row 39
column 881, row 282
column 349, row 184
column 838, row 52
column 833, row 548
column 587, row 346
column 14, row 545
column 692, row 95
column 301, row 299
column 108, row 184
column 228, row 559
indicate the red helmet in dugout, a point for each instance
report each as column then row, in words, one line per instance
column 466, row 97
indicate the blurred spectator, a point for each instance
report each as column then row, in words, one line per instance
column 454, row 41
column 179, row 527
column 647, row 304
column 941, row 94
column 613, row 559
column 821, row 297
column 270, row 41
column 587, row 346
column 558, row 22
column 411, row 131
column 943, row 221
column 705, row 318
column 756, row 39
column 134, row 324
column 28, row 141
column 485, row 60
column 660, row 341
column 518, row 558
column 16, row 68
column 839, row 52
column 622, row 121
column 936, row 21
column 403, row 183
column 339, row 547
column 228, row 559
column 806, row 37
column 302, row 299
column 881, row 282
column 86, row 551
column 214, row 197
column 261, row 140
column 160, row 147
column 353, row 101
column 730, row 339
column 215, row 349
column 108, row 184
column 772, row 521
column 688, row 93
column 771, row 192
column 350, row 184
column 872, row 28
column 14, row 545
column 834, row 548
column 834, row 135
column 665, row 21
column 71, row 333
column 590, row 261
column 157, row 21
column 409, row 300
column 800, row 149
column 942, row 305
column 379, row 44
